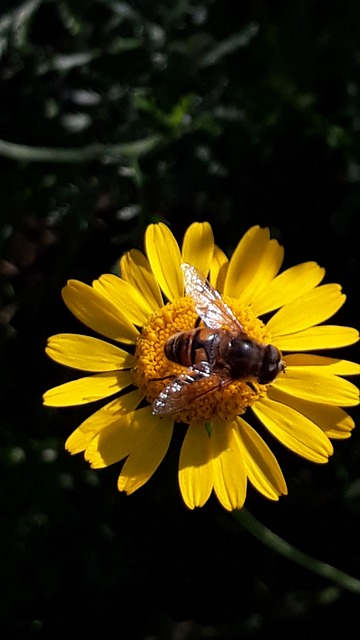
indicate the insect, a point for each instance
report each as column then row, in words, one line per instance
column 212, row 352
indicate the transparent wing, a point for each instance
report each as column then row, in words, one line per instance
column 210, row 306
column 186, row 389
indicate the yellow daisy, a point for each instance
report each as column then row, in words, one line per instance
column 145, row 307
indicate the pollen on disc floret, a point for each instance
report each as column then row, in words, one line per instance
column 153, row 370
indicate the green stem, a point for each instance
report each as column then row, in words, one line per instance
column 102, row 152
column 274, row 542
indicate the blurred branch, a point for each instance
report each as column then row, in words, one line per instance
column 104, row 153
column 229, row 45
column 16, row 22
column 65, row 62
column 274, row 542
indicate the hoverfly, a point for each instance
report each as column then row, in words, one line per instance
column 219, row 352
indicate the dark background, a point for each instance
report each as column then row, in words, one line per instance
column 114, row 115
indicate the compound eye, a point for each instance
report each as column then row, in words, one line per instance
column 272, row 365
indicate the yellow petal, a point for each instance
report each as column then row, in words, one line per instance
column 165, row 259
column 198, row 246
column 102, row 419
column 135, row 269
column 315, row 306
column 286, row 287
column 335, row 422
column 218, row 269
column 294, row 430
column 121, row 437
column 261, row 466
column 320, row 337
column 245, row 260
column 268, row 266
column 125, row 297
column 126, row 403
column 87, row 389
column 322, row 364
column 96, row 312
column 110, row 413
column 143, row 462
column 78, row 441
column 318, row 387
column 228, row 465
column 342, row 429
column 195, row 466
column 87, row 354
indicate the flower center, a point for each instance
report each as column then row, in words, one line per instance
column 154, row 371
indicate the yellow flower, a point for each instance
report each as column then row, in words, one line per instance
column 141, row 310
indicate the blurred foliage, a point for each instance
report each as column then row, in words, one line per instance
column 113, row 115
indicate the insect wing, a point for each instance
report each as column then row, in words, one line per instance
column 210, row 306
column 184, row 390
